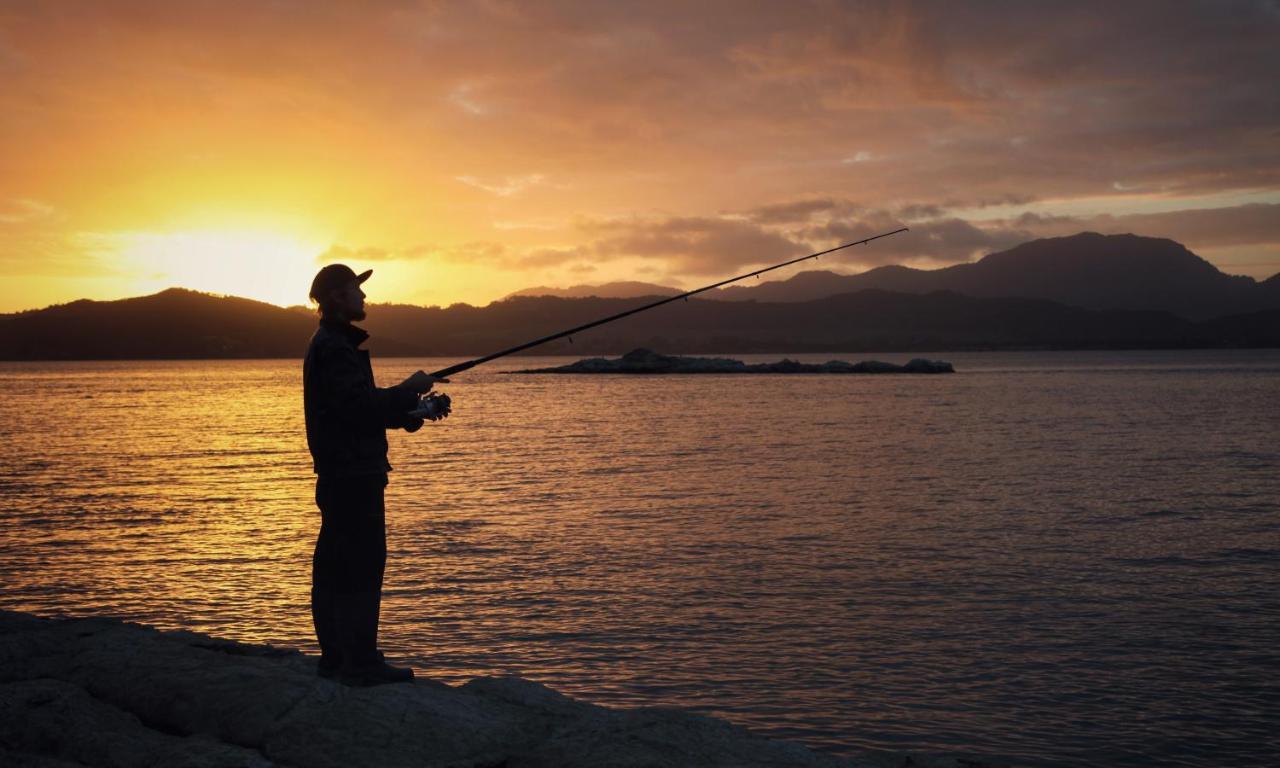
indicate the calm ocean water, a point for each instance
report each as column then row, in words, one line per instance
column 1049, row 558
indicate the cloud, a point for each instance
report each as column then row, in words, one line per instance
column 462, row 95
column 506, row 186
column 944, row 240
column 343, row 253
column 916, row 212
column 703, row 246
column 34, row 240
column 418, row 251
column 798, row 211
column 470, row 251
column 1007, row 199
column 975, row 95
column 492, row 255
column 24, row 210
column 48, row 253
column 475, row 252
column 936, row 241
column 10, row 60
column 538, row 258
column 969, row 100
column 694, row 245
column 1252, row 224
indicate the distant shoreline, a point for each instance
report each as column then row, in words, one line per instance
column 1008, row 312
column 718, row 352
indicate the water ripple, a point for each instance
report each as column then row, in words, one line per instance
column 1053, row 559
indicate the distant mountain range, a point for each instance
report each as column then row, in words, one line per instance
column 1139, row 293
column 1087, row 270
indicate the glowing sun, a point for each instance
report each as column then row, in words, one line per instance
column 262, row 265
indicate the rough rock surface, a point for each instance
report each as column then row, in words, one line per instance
column 647, row 361
column 101, row 692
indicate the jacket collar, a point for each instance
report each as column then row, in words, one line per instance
column 346, row 330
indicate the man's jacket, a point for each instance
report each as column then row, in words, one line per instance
column 347, row 415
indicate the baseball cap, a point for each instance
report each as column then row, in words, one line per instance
column 333, row 277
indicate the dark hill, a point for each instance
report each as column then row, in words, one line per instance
column 175, row 323
column 1087, row 270
column 185, row 324
column 1085, row 291
column 1271, row 288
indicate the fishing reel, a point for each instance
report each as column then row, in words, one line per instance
column 433, row 407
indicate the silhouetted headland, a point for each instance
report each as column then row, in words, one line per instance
column 102, row 692
column 644, row 361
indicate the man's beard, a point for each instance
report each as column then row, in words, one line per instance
column 358, row 314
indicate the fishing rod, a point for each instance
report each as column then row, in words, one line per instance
column 460, row 367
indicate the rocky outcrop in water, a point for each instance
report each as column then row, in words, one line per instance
column 648, row 361
column 101, row 692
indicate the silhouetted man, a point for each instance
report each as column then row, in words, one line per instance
column 347, row 418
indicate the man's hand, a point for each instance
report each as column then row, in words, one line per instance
column 433, row 407
column 421, row 382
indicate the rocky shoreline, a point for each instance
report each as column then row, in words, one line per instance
column 103, row 692
column 650, row 362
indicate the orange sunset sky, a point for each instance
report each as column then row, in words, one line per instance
column 467, row 150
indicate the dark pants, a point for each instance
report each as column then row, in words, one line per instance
column 351, row 552
column 347, row 567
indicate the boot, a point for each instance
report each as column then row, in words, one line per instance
column 325, row 619
column 362, row 664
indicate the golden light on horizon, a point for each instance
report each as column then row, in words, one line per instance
column 258, row 264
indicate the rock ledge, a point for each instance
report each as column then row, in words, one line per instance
column 102, row 692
